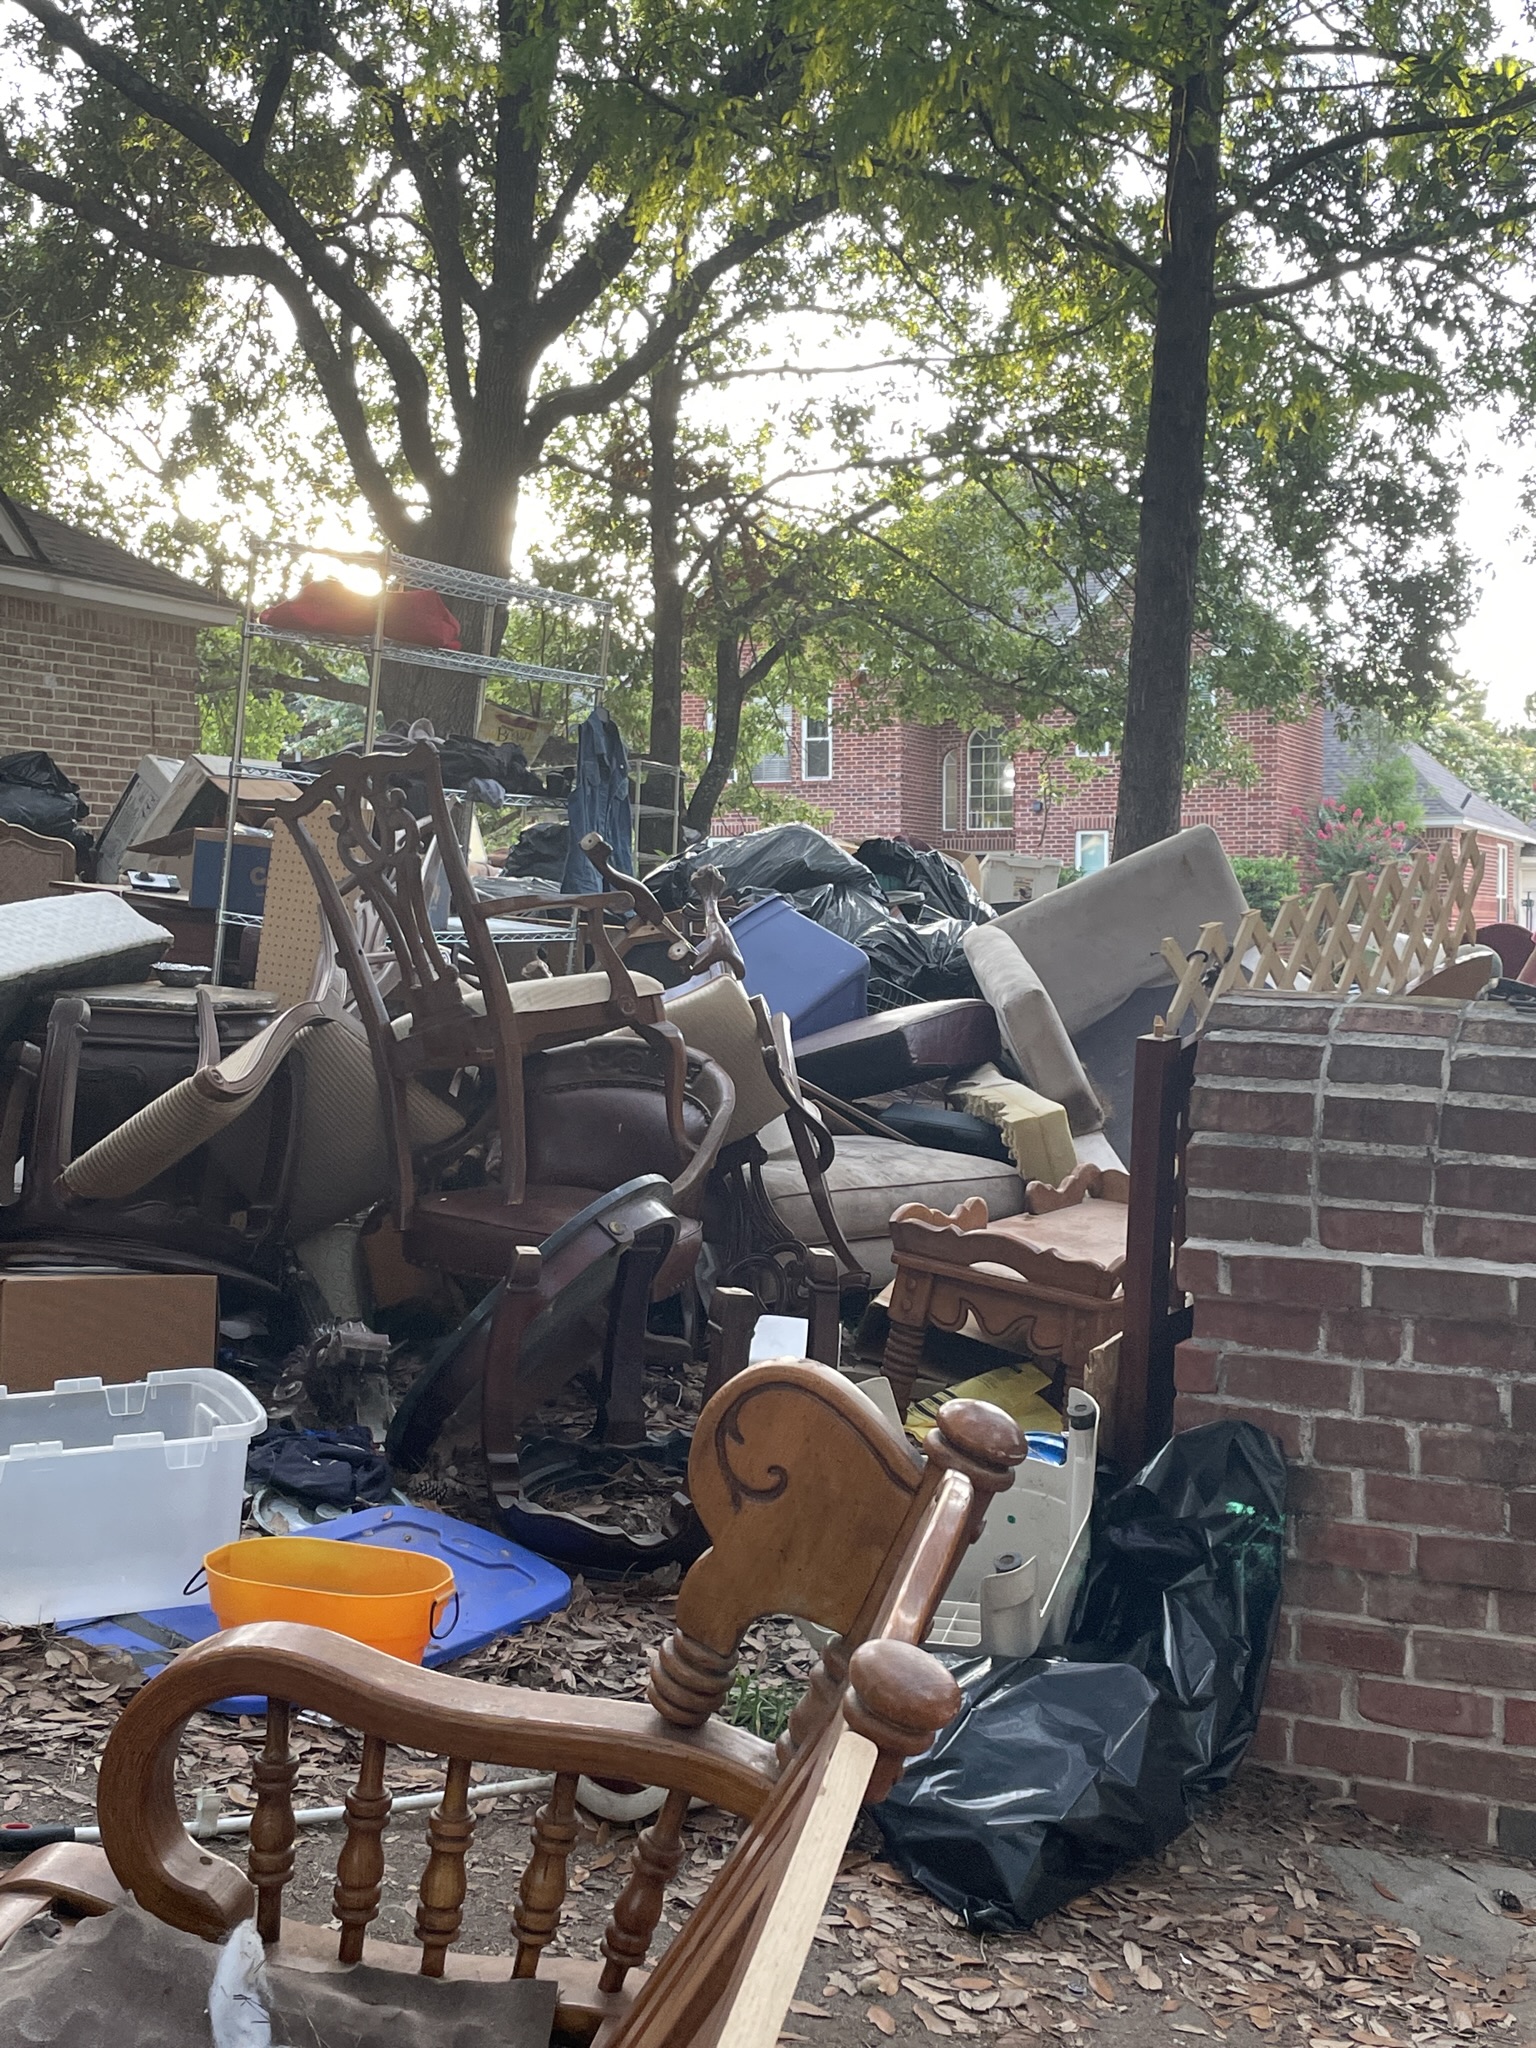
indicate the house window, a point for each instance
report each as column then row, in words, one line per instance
column 1504, row 904
column 949, row 791
column 989, row 783
column 816, row 747
column 1092, row 852
column 775, row 767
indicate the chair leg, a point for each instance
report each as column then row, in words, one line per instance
column 903, row 1356
column 621, row 1401
column 735, row 1314
column 510, row 1122
column 824, row 1337
column 502, row 1403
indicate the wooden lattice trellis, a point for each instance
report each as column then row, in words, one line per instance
column 1383, row 937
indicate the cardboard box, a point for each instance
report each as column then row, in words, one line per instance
column 249, row 861
column 114, row 1327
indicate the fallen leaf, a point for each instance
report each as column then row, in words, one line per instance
column 856, row 1916
column 1132, row 1954
column 1261, row 2017
column 932, row 2023
column 880, row 2019
column 1378, row 1886
column 1101, row 1987
column 808, row 2011
column 1148, row 1978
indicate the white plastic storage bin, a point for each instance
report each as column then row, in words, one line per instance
column 111, row 1496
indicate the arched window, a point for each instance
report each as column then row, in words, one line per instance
column 949, row 791
column 988, row 783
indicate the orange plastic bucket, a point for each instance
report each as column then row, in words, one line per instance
column 391, row 1599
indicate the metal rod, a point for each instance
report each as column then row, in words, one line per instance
column 236, row 754
column 371, row 715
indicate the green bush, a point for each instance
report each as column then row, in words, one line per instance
column 1266, row 880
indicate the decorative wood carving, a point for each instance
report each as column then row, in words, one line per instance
column 360, row 1866
column 536, row 1917
column 440, row 1913
column 273, row 1828
column 637, row 1909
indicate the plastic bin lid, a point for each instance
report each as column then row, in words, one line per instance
column 501, row 1587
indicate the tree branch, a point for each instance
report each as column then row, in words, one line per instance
column 249, row 173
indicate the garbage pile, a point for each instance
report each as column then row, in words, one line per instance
column 912, row 958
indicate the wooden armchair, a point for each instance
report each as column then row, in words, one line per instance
column 381, row 844
column 177, row 1181
column 701, row 940
column 782, row 1453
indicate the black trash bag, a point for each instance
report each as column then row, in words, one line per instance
column 944, row 888
column 850, row 909
column 336, row 1468
column 35, row 792
column 1059, row 1770
column 778, row 861
column 540, row 850
column 921, row 963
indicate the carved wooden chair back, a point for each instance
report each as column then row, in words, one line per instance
column 452, row 1023
column 782, row 1454
column 31, row 862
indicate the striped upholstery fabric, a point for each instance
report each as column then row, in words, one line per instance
column 151, row 1142
column 343, row 1165
column 164, row 1131
column 718, row 1021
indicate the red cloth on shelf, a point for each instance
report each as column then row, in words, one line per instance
column 417, row 616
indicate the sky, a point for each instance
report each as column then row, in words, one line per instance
column 1496, row 644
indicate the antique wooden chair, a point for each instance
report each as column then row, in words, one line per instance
column 203, row 1174
column 782, row 1452
column 1090, row 1260
column 381, row 843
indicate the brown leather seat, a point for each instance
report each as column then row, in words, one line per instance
column 464, row 1230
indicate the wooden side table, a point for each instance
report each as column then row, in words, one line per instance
column 1048, row 1282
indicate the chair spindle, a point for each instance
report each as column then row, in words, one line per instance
column 536, row 1916
column 637, row 1909
column 273, row 1827
column 440, row 1913
column 360, row 1866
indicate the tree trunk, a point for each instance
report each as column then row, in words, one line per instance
column 666, row 738
column 731, row 687
column 471, row 529
column 1173, row 476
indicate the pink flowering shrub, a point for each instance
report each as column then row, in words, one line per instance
column 1333, row 844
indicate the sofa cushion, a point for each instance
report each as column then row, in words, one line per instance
column 872, row 1177
column 718, row 1020
column 1099, row 940
column 1032, row 1031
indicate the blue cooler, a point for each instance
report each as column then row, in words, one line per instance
column 813, row 976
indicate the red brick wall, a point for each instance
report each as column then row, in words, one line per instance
column 888, row 780
column 1362, row 1256
column 97, row 689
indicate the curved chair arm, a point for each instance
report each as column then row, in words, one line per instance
column 688, row 1186
column 718, row 947
column 180, row 1881
column 652, row 921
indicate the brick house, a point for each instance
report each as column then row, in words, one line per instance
column 1450, row 806
column 98, row 652
column 965, row 792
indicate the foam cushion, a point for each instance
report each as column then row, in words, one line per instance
column 1033, row 1033
column 1099, row 940
column 1034, row 1128
column 872, row 1177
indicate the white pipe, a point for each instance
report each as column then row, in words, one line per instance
column 322, row 1816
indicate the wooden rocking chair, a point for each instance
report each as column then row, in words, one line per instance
column 782, row 1453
